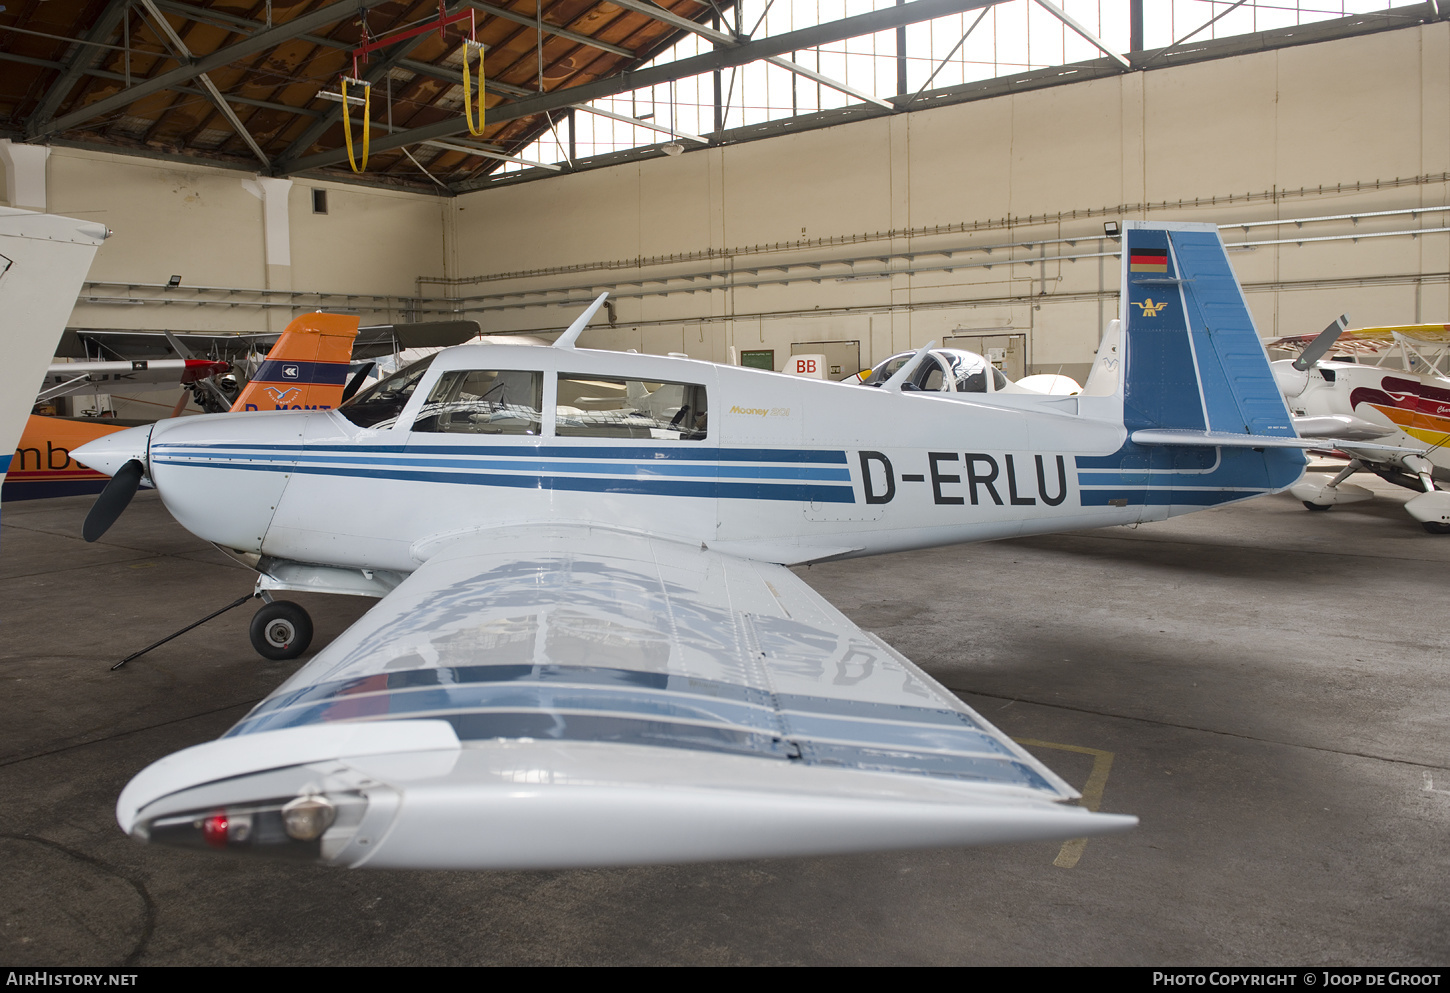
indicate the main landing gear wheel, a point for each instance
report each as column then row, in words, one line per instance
column 1316, row 506
column 1435, row 527
column 281, row 630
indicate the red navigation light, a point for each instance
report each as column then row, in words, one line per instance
column 214, row 830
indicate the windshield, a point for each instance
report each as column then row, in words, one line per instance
column 379, row 405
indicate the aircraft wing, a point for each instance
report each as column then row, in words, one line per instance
column 102, row 344
column 1367, row 340
column 556, row 696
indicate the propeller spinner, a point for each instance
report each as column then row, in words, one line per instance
column 122, row 455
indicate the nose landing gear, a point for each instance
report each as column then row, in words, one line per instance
column 281, row 630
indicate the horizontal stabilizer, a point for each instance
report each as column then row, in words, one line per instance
column 385, row 339
column 1227, row 439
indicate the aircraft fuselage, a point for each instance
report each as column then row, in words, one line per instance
column 779, row 468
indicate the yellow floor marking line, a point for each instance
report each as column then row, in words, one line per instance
column 1092, row 792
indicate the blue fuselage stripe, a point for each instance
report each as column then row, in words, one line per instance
column 278, row 460
column 711, row 489
column 629, row 453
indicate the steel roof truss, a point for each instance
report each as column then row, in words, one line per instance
column 911, row 12
column 80, row 59
column 676, row 21
column 811, row 74
column 649, row 125
column 1087, row 35
column 181, row 50
column 554, row 29
column 259, row 42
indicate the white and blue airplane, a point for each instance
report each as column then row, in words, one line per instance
column 589, row 649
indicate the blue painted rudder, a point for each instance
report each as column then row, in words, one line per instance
column 1193, row 359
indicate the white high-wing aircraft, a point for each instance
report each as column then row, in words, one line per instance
column 589, row 650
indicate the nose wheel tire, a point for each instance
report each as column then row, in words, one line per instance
column 281, row 630
column 1435, row 527
column 1315, row 506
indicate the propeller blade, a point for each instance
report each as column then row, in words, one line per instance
column 357, row 381
column 113, row 500
column 1317, row 348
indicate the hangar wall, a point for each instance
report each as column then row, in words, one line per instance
column 843, row 234
column 697, row 246
column 211, row 227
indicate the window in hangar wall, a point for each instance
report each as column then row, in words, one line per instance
column 1005, row 39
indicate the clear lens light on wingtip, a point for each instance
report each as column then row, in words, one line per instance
column 289, row 828
column 307, row 817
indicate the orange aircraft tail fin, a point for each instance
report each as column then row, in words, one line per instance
column 307, row 367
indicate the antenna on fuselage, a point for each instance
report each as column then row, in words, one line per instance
column 572, row 333
column 1316, row 349
column 900, row 375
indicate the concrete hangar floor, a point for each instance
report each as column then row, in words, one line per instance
column 1264, row 687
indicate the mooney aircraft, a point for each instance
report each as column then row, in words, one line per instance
column 588, row 648
column 1391, row 422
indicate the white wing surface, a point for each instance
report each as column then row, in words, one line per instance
column 562, row 696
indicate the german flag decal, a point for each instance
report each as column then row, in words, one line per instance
column 1148, row 260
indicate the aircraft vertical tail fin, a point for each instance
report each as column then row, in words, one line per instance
column 307, row 367
column 1205, row 421
column 44, row 259
column 1194, row 361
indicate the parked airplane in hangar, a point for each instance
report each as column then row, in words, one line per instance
column 1405, row 412
column 589, row 649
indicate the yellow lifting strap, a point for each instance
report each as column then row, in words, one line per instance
column 468, row 87
column 367, row 123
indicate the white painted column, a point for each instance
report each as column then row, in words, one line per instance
column 276, row 238
column 24, row 174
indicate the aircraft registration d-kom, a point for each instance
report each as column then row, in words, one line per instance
column 589, row 649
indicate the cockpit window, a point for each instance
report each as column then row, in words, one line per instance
column 471, row 401
column 380, row 404
column 891, row 367
column 600, row 407
column 935, row 377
